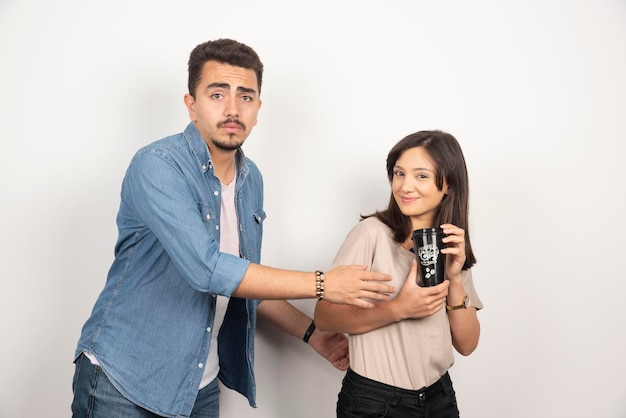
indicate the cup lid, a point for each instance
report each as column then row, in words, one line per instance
column 427, row 231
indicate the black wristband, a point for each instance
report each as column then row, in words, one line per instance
column 308, row 332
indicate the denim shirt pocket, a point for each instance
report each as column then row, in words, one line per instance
column 253, row 235
column 209, row 218
column 259, row 216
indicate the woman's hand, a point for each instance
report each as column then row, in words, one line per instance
column 414, row 301
column 455, row 251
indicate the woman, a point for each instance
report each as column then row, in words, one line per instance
column 401, row 350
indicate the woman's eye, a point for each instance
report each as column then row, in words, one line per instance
column 397, row 174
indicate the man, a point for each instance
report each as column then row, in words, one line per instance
column 178, row 310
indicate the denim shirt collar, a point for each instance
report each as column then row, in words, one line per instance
column 200, row 150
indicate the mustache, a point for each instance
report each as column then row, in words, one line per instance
column 231, row 120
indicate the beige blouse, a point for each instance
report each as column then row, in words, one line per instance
column 409, row 354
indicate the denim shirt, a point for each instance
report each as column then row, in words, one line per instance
column 151, row 326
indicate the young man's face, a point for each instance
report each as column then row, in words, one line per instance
column 226, row 105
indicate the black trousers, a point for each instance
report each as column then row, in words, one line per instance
column 366, row 398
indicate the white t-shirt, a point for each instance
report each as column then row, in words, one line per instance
column 229, row 243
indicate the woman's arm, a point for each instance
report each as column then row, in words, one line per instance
column 412, row 301
column 464, row 324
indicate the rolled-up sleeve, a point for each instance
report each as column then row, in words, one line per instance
column 157, row 191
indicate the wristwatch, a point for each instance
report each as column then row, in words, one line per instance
column 463, row 305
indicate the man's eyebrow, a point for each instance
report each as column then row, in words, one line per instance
column 227, row 86
column 218, row 86
column 246, row 90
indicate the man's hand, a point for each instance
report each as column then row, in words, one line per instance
column 352, row 285
column 333, row 346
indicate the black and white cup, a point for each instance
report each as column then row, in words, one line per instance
column 427, row 246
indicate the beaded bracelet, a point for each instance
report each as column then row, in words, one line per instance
column 319, row 285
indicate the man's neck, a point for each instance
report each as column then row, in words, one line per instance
column 224, row 165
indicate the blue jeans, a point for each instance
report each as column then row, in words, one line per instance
column 96, row 397
column 361, row 397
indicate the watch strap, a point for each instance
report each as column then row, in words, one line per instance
column 461, row 306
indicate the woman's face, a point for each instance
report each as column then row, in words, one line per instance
column 414, row 189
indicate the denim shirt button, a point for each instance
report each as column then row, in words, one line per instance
column 200, row 365
column 217, row 227
column 208, row 217
column 203, row 167
column 208, row 329
column 216, row 193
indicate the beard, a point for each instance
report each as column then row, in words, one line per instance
column 232, row 143
column 229, row 145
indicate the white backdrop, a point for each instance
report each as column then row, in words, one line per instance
column 534, row 90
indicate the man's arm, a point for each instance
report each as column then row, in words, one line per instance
column 342, row 285
column 159, row 194
column 330, row 345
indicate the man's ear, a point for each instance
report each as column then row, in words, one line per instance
column 190, row 104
